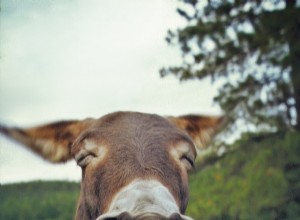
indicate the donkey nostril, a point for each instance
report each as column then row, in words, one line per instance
column 124, row 216
column 175, row 216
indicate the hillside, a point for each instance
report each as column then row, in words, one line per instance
column 53, row 200
column 259, row 179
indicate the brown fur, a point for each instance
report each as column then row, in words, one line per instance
column 52, row 141
column 137, row 146
column 201, row 128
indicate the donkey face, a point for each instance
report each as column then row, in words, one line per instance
column 134, row 165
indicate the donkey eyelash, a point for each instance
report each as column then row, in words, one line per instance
column 82, row 157
column 189, row 160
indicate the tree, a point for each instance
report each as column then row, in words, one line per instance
column 253, row 48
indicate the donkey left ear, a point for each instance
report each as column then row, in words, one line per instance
column 200, row 128
column 51, row 141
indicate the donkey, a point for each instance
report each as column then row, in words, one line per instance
column 134, row 165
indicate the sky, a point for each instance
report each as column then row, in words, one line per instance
column 73, row 59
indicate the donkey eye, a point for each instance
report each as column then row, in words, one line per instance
column 84, row 158
column 188, row 162
column 184, row 154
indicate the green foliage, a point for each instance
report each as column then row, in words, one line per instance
column 258, row 180
column 253, row 47
column 38, row 200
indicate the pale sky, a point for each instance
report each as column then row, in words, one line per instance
column 72, row 59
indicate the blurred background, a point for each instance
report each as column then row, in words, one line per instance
column 76, row 59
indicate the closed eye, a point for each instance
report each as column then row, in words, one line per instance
column 84, row 158
column 188, row 160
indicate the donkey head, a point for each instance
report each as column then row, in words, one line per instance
column 134, row 165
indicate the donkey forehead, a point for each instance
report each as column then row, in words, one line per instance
column 132, row 130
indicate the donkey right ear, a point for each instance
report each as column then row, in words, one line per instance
column 51, row 141
column 200, row 128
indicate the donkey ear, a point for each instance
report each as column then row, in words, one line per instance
column 51, row 141
column 200, row 128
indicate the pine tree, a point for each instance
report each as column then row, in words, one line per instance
column 253, row 48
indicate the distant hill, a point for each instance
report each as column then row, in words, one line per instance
column 259, row 179
column 53, row 200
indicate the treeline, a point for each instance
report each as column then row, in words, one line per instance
column 260, row 179
column 54, row 200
